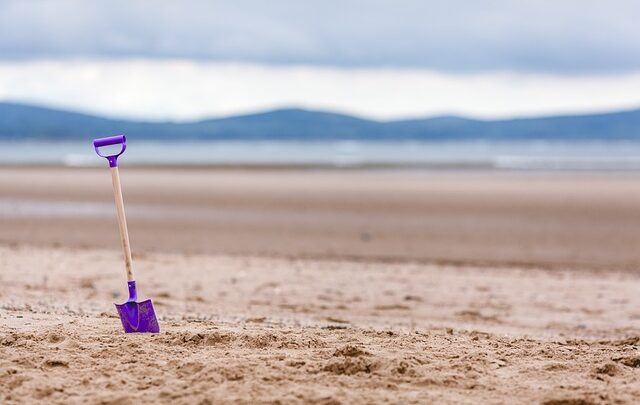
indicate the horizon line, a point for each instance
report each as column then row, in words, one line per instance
column 62, row 109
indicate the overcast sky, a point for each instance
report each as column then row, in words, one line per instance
column 180, row 59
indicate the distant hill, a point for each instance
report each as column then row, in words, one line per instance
column 19, row 121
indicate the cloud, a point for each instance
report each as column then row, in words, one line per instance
column 187, row 90
column 569, row 36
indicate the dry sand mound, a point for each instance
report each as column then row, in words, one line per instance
column 267, row 330
column 88, row 361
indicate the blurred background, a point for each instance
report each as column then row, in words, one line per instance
column 460, row 84
column 458, row 131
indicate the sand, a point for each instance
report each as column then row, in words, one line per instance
column 582, row 221
column 322, row 287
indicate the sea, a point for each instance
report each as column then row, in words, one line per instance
column 536, row 156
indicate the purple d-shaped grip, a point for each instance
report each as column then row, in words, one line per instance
column 111, row 140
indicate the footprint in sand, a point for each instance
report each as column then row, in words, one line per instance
column 476, row 316
column 52, row 363
column 392, row 307
column 55, row 338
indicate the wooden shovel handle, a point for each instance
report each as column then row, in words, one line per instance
column 122, row 222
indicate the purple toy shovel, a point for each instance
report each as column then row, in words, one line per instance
column 135, row 316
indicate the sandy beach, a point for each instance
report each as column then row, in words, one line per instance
column 322, row 286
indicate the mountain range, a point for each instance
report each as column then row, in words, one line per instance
column 28, row 122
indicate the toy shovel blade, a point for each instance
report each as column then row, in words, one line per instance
column 138, row 317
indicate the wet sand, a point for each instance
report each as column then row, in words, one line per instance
column 582, row 221
column 322, row 287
